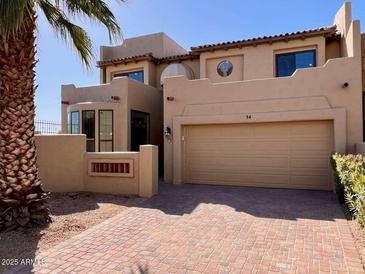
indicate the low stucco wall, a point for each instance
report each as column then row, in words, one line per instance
column 118, row 185
column 61, row 162
column 64, row 166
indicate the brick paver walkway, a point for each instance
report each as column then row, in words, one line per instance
column 193, row 229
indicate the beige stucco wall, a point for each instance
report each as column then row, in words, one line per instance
column 115, row 185
column 144, row 181
column 61, row 162
column 309, row 94
column 64, row 167
column 159, row 44
column 94, row 94
column 148, row 171
column 256, row 62
column 333, row 48
column 132, row 95
column 350, row 42
column 237, row 74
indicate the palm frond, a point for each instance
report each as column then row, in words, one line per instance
column 96, row 10
column 68, row 31
column 11, row 15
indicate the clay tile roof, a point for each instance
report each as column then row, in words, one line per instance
column 195, row 51
column 267, row 39
column 181, row 57
column 148, row 57
column 125, row 60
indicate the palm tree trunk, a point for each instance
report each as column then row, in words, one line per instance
column 22, row 199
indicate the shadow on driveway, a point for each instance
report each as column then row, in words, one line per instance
column 260, row 202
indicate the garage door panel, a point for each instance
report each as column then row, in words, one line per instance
column 256, row 170
column 232, row 146
column 291, row 154
column 263, row 180
column 229, row 147
column 288, row 146
column 250, row 151
column 311, row 163
column 311, row 129
column 212, row 163
column 218, row 132
column 319, row 181
column 227, row 171
column 238, row 179
column 321, row 145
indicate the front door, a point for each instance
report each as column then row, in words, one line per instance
column 88, row 128
column 140, row 129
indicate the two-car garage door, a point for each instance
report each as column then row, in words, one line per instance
column 285, row 154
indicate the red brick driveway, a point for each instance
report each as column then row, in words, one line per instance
column 194, row 229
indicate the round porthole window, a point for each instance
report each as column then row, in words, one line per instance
column 225, row 68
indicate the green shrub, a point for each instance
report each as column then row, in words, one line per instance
column 350, row 183
column 339, row 188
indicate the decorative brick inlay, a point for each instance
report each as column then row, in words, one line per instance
column 111, row 167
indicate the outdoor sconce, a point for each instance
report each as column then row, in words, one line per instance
column 170, row 98
column 116, row 98
column 167, row 132
column 345, row 85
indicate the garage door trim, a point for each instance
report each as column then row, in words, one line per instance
column 338, row 115
column 279, row 154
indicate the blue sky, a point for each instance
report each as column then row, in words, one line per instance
column 189, row 22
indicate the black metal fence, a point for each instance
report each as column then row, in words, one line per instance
column 47, row 127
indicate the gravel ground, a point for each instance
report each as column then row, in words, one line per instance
column 72, row 213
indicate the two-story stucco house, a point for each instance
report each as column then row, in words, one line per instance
column 267, row 111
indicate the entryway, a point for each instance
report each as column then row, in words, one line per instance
column 140, row 129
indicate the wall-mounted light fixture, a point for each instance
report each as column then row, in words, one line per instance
column 167, row 132
column 170, row 98
column 115, row 98
column 345, row 85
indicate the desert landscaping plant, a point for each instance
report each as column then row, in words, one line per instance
column 350, row 173
column 23, row 202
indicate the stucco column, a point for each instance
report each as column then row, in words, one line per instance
column 148, row 170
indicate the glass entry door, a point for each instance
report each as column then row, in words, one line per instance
column 140, row 129
column 88, row 128
column 106, row 130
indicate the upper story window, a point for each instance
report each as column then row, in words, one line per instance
column 135, row 75
column 74, row 122
column 287, row 63
column 225, row 68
